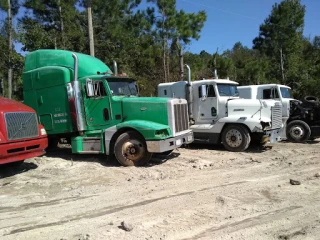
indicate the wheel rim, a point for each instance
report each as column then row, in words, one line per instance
column 234, row 138
column 133, row 150
column 296, row 132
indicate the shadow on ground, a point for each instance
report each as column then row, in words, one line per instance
column 11, row 169
column 253, row 148
column 64, row 152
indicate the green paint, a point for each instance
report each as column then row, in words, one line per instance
column 49, row 58
column 150, row 130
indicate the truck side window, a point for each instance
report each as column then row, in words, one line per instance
column 98, row 89
column 210, row 91
column 267, row 94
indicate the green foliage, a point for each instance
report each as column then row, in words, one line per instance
column 14, row 6
column 281, row 40
column 148, row 44
column 52, row 24
column 10, row 58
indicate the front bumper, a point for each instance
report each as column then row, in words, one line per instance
column 24, row 149
column 272, row 136
column 170, row 143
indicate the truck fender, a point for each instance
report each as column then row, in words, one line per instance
column 253, row 124
column 146, row 128
column 109, row 133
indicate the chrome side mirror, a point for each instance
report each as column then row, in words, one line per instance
column 203, row 92
column 89, row 88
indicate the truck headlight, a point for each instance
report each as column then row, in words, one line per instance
column 162, row 133
column 43, row 131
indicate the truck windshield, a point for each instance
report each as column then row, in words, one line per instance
column 122, row 88
column 228, row 90
column 286, row 92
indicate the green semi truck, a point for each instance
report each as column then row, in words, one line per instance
column 77, row 97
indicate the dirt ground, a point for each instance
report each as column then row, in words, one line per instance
column 199, row 192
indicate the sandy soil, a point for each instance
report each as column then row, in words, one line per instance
column 199, row 192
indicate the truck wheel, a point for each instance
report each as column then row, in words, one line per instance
column 236, row 138
column 131, row 150
column 298, row 131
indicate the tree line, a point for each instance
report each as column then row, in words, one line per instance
column 148, row 43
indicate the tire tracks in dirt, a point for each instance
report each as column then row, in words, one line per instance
column 117, row 208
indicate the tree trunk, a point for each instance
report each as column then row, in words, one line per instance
column 90, row 28
column 181, row 63
column 164, row 63
column 167, row 61
column 10, row 51
column 282, row 69
column 61, row 26
column 164, row 49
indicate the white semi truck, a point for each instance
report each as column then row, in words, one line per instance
column 217, row 114
column 301, row 119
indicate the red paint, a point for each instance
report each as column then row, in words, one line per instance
column 17, row 150
column 6, row 157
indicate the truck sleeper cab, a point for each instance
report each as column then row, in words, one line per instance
column 21, row 136
column 77, row 97
column 217, row 115
column 301, row 119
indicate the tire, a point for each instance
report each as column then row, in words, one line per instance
column 236, row 138
column 298, row 131
column 131, row 150
column 311, row 100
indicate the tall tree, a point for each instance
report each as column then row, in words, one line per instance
column 175, row 28
column 11, row 7
column 188, row 26
column 52, row 24
column 165, row 23
column 280, row 39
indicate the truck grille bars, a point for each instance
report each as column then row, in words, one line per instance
column 276, row 116
column 21, row 125
column 181, row 117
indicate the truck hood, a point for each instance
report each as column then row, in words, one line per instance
column 152, row 109
column 8, row 105
column 251, row 107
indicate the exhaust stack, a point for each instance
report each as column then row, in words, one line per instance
column 189, row 93
column 215, row 74
column 78, row 96
column 115, row 68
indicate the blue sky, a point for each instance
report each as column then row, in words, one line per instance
column 230, row 21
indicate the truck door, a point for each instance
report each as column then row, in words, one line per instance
column 208, row 107
column 96, row 103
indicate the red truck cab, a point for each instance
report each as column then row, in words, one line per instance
column 21, row 135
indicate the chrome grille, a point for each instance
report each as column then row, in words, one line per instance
column 21, row 125
column 181, row 122
column 276, row 116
